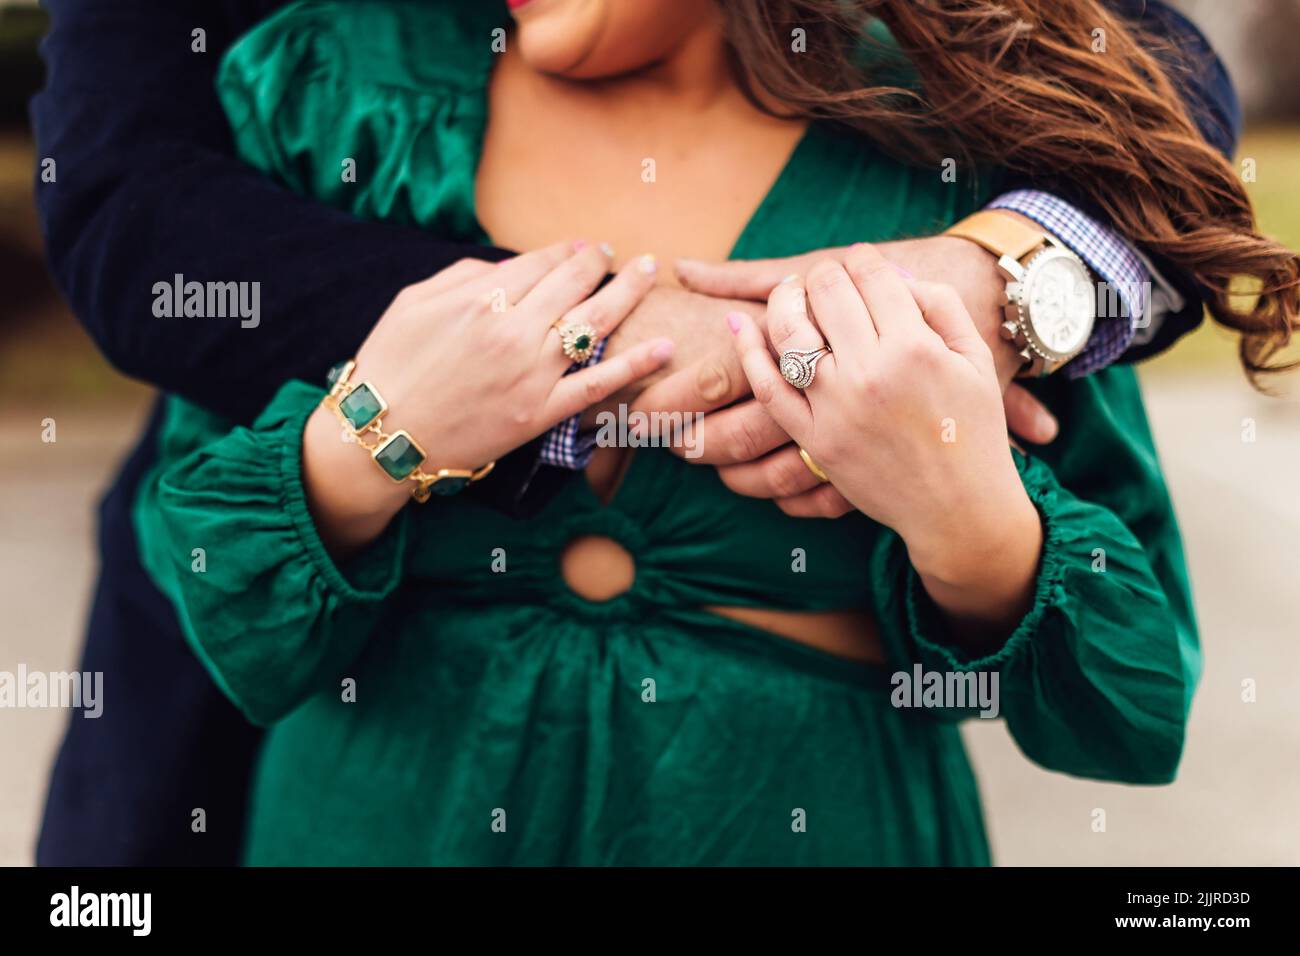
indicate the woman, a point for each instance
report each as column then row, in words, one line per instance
column 441, row 689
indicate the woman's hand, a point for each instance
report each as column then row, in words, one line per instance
column 472, row 368
column 960, row 263
column 905, row 417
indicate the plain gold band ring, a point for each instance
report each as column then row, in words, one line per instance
column 813, row 466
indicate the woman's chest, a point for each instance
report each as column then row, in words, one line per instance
column 556, row 166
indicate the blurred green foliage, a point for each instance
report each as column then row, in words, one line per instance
column 1275, row 193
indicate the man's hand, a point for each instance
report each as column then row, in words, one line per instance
column 753, row 454
column 704, row 369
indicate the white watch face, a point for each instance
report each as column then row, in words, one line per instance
column 1061, row 301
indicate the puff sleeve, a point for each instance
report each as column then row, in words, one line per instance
column 1097, row 679
column 226, row 534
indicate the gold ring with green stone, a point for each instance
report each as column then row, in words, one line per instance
column 578, row 339
column 360, row 409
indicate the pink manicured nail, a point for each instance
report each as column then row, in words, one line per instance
column 903, row 272
column 580, row 245
column 733, row 322
column 664, row 350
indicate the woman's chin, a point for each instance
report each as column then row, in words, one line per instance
column 557, row 51
column 559, row 36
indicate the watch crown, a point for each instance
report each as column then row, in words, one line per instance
column 1009, row 330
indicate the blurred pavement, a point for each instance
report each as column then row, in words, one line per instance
column 1236, row 798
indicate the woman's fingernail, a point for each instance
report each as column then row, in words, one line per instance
column 664, row 350
column 606, row 248
column 790, row 278
column 648, row 264
column 733, row 321
column 902, row 272
column 580, row 245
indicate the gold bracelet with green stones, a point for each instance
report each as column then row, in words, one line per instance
column 360, row 409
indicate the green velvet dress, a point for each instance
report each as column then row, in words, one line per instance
column 446, row 699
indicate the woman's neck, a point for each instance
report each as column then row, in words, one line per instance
column 695, row 74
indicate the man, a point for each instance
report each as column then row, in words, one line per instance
column 148, row 187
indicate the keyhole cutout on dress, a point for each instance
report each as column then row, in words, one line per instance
column 597, row 568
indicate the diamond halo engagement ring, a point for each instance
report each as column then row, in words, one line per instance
column 799, row 368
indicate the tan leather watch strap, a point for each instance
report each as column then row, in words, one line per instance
column 1000, row 234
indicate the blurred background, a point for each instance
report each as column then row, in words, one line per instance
column 1236, row 799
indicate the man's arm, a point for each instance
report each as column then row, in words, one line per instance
column 741, row 438
column 1177, row 305
column 148, row 187
column 1056, row 204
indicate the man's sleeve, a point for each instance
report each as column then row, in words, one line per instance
column 145, row 187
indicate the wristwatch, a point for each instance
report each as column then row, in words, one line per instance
column 1051, row 296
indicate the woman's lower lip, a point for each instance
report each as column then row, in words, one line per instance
column 516, row 4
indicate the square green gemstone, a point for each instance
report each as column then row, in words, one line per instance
column 361, row 407
column 399, row 457
column 334, row 373
column 449, row 486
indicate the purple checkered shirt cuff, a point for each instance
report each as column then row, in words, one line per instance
column 1116, row 264
column 563, row 447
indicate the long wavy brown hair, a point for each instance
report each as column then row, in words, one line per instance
column 1017, row 84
